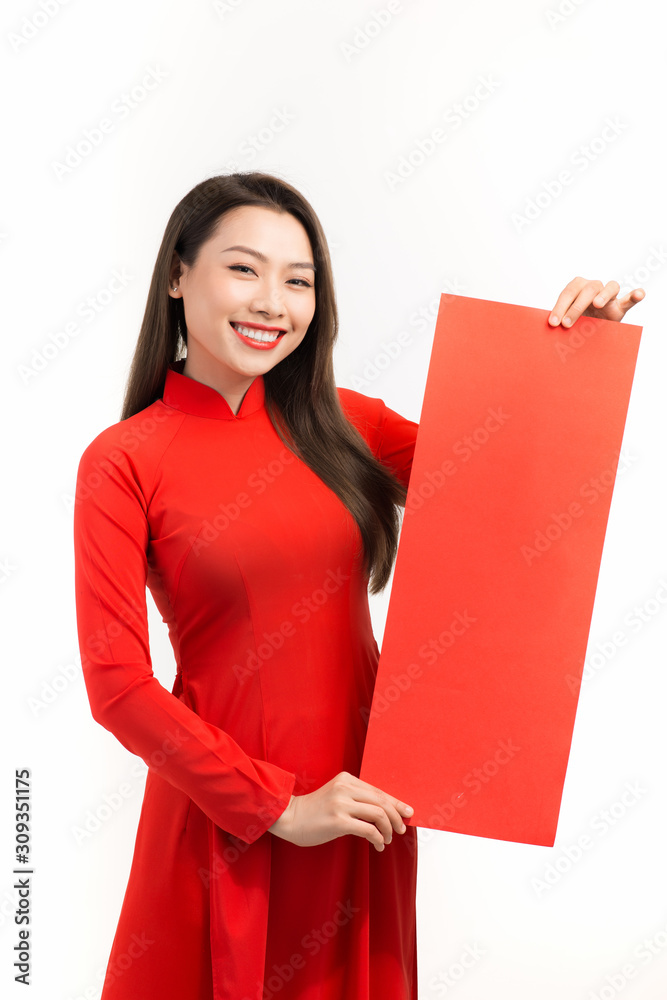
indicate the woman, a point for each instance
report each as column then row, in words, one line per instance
column 258, row 503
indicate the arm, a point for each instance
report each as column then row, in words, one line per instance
column 390, row 436
column 240, row 794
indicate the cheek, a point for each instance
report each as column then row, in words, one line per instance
column 305, row 313
column 224, row 297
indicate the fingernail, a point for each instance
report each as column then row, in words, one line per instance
column 553, row 319
column 566, row 321
column 409, row 809
column 403, row 828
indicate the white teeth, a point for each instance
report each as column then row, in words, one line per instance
column 263, row 335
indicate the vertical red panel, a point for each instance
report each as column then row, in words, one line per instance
column 492, row 598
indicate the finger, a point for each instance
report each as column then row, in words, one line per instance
column 369, row 832
column 396, row 810
column 586, row 295
column 392, row 808
column 390, row 819
column 565, row 299
column 377, row 818
column 381, row 798
column 609, row 292
column 580, row 304
column 631, row 299
column 395, row 817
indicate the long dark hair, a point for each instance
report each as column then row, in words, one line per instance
column 300, row 392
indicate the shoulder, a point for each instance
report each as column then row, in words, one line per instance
column 135, row 445
column 365, row 412
column 390, row 436
column 355, row 402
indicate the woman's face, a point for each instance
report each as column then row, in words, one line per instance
column 232, row 297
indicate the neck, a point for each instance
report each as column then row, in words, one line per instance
column 231, row 389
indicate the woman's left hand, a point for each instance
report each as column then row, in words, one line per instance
column 591, row 298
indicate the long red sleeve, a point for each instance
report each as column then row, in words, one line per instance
column 239, row 793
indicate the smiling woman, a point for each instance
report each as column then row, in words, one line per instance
column 245, row 309
column 259, row 504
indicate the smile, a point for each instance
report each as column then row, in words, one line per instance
column 257, row 338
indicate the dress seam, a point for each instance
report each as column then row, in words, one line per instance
column 254, row 639
column 151, row 492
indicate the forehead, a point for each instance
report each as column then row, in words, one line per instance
column 248, row 222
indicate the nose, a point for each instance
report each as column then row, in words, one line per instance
column 269, row 299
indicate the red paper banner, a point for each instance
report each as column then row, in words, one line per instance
column 493, row 591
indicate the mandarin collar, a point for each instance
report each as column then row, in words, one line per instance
column 187, row 394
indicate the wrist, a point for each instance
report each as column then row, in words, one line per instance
column 279, row 828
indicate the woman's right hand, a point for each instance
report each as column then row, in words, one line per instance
column 344, row 805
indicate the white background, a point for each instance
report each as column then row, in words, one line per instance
column 358, row 96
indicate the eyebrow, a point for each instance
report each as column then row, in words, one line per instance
column 264, row 260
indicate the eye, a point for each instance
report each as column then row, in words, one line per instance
column 244, row 268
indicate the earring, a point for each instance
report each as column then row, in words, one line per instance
column 174, row 288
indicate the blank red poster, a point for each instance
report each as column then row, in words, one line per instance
column 492, row 598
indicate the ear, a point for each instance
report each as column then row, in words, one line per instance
column 175, row 271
